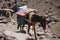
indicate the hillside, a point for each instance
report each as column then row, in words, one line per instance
column 52, row 7
column 44, row 6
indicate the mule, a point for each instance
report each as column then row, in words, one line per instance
column 33, row 19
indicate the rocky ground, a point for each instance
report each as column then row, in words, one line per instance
column 44, row 6
column 9, row 29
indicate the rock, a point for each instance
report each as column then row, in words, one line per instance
column 56, row 29
column 58, row 7
column 16, row 36
column 30, row 39
column 1, row 34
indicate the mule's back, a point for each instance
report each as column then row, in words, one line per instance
column 36, row 18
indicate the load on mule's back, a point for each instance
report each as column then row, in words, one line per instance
column 21, row 16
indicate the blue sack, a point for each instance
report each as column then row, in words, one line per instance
column 22, row 8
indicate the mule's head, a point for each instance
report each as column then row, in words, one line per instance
column 43, row 22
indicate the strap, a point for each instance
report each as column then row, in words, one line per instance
column 30, row 16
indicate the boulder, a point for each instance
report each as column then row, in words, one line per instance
column 16, row 36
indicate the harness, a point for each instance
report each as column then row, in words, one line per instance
column 30, row 16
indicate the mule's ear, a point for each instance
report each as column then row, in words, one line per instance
column 36, row 11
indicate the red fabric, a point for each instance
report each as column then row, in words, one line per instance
column 21, row 13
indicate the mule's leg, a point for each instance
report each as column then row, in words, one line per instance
column 34, row 32
column 28, row 28
column 18, row 26
column 22, row 26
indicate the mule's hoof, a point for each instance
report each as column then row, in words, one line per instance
column 17, row 28
column 23, row 31
column 30, row 39
column 17, row 31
